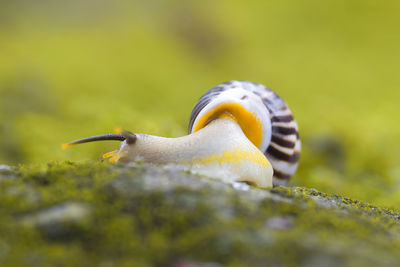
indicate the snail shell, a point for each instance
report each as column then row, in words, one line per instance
column 280, row 141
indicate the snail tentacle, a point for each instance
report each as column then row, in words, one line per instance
column 131, row 138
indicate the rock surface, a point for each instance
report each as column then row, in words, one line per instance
column 96, row 214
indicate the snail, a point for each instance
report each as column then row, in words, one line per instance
column 239, row 131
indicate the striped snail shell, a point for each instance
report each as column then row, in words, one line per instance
column 239, row 131
column 280, row 136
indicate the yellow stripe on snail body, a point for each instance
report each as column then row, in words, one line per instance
column 238, row 132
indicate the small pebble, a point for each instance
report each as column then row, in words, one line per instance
column 280, row 223
column 5, row 169
column 241, row 186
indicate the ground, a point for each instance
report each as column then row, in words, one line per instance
column 98, row 214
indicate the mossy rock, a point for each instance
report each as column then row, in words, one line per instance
column 97, row 214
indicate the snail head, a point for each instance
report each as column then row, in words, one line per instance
column 120, row 135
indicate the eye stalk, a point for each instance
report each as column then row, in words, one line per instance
column 129, row 137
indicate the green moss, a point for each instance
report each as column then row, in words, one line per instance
column 336, row 66
column 95, row 213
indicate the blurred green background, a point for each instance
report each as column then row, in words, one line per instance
column 71, row 69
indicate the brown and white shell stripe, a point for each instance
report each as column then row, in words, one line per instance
column 284, row 149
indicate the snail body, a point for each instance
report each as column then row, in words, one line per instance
column 238, row 132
